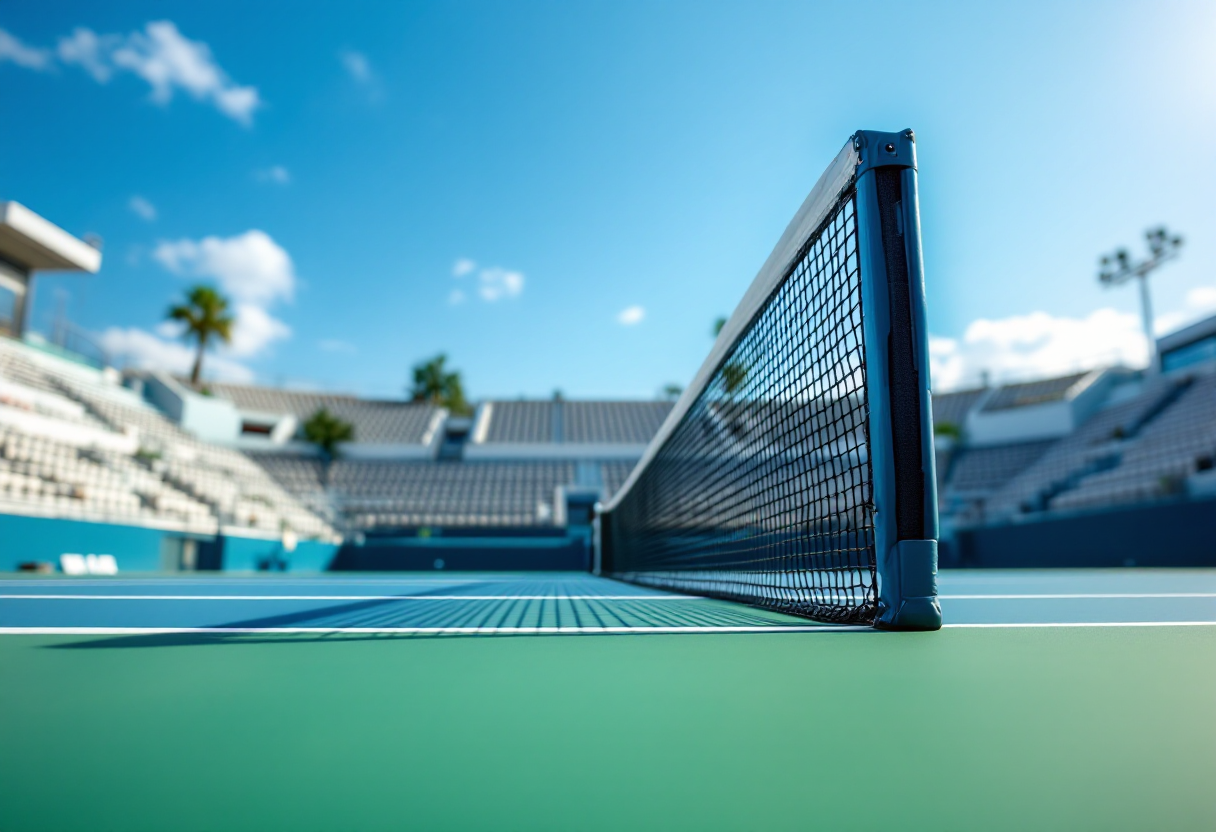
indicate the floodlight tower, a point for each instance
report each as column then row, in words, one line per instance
column 1118, row 268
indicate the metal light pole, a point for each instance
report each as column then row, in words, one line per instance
column 1118, row 268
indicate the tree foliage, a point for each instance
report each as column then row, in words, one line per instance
column 327, row 431
column 948, row 430
column 734, row 376
column 205, row 318
column 435, row 383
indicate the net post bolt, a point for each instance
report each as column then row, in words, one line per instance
column 876, row 149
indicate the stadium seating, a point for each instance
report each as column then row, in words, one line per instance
column 76, row 444
column 1029, row 393
column 375, row 421
column 469, row 494
column 370, row 494
column 577, row 422
column 1141, row 446
column 981, row 470
column 1156, row 461
column 952, row 408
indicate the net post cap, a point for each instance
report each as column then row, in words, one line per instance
column 876, row 149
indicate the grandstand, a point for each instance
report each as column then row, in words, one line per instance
column 88, row 445
column 77, row 445
column 171, row 477
column 520, row 474
column 85, row 458
column 1051, row 463
column 91, row 445
column 520, row 465
column 377, row 423
column 82, row 444
column 1145, row 439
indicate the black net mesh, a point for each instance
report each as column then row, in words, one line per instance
column 763, row 493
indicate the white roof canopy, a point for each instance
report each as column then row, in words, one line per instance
column 28, row 240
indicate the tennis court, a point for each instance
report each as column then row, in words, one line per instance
column 1050, row 700
column 762, row 640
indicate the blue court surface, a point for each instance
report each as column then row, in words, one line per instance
column 518, row 604
column 459, row 701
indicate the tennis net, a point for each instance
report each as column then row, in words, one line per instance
column 796, row 471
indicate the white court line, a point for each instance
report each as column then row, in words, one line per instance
column 251, row 581
column 69, row 597
column 144, row 597
column 1026, row 624
column 73, row 581
column 488, row 631
column 1076, row 596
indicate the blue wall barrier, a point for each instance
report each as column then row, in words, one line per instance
column 242, row 554
column 497, row 549
column 1179, row 534
column 26, row 539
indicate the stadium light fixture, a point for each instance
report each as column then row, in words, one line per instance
column 1118, row 268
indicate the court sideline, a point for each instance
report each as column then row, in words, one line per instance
column 559, row 604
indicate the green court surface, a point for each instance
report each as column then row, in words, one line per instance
column 1100, row 728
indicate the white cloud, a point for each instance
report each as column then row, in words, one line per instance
column 493, row 283
column 1040, row 345
column 276, row 174
column 251, row 267
column 90, row 51
column 630, row 316
column 30, row 57
column 160, row 55
column 1035, row 346
column 140, row 349
column 360, row 70
column 357, row 66
column 1202, row 297
column 142, row 207
column 168, row 62
column 336, row 345
column 255, row 329
column 497, row 283
column 1199, row 303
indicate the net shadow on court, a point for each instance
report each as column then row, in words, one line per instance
column 505, row 617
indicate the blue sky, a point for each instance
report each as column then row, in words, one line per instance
column 566, row 195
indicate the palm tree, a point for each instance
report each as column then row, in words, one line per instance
column 435, row 384
column 326, row 431
column 205, row 315
column 734, row 376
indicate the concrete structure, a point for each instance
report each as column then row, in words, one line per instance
column 28, row 244
column 1037, row 410
column 1192, row 347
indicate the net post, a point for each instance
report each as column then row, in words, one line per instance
column 601, row 541
column 897, row 372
